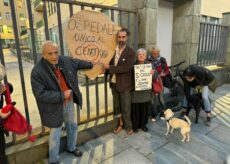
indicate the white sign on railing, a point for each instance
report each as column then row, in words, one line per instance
column 143, row 78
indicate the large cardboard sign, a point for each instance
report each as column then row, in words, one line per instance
column 91, row 36
column 143, row 78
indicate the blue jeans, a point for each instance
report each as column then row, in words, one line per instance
column 70, row 121
column 205, row 98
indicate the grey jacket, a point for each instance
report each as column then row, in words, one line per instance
column 47, row 92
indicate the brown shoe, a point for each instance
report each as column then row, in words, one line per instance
column 118, row 129
column 130, row 132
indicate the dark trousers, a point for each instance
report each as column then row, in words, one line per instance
column 3, row 158
column 122, row 105
column 140, row 114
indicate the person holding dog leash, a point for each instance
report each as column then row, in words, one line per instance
column 194, row 77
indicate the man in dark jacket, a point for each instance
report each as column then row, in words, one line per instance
column 55, row 87
column 121, row 82
column 196, row 76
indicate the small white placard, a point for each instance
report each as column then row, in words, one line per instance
column 143, row 78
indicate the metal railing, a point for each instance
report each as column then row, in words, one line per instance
column 212, row 44
column 114, row 13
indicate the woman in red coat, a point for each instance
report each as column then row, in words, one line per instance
column 160, row 64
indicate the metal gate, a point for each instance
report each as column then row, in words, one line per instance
column 212, row 44
column 124, row 17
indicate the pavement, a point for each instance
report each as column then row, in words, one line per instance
column 207, row 145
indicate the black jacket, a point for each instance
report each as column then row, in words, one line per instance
column 203, row 77
column 47, row 92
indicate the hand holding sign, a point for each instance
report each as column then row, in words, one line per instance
column 143, row 77
column 91, row 36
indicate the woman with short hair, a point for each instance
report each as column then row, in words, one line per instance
column 141, row 100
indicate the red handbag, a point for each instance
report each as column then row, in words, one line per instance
column 15, row 122
column 157, row 85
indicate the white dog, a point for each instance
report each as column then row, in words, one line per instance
column 175, row 123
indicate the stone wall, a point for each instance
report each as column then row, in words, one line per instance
column 186, row 25
column 226, row 22
column 147, row 17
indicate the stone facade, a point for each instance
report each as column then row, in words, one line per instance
column 186, row 27
column 226, row 22
column 147, row 17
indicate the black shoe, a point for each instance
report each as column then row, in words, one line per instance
column 145, row 129
column 54, row 162
column 75, row 152
column 208, row 121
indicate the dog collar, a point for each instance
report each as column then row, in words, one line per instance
column 169, row 119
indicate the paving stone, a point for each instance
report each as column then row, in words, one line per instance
column 202, row 128
column 223, row 119
column 221, row 134
column 198, row 149
column 222, row 106
column 204, row 151
column 123, row 134
column 145, row 143
column 214, row 142
column 225, row 100
column 128, row 156
column 216, row 110
column 105, row 147
column 158, row 127
column 174, row 153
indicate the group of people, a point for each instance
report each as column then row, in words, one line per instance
column 133, row 108
column 55, row 87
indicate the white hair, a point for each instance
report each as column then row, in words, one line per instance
column 48, row 42
column 156, row 48
column 141, row 50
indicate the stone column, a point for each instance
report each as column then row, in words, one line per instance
column 226, row 22
column 186, row 25
column 147, row 26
